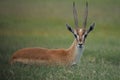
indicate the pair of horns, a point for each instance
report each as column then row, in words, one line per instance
column 76, row 16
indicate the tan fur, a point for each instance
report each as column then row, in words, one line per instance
column 45, row 56
column 81, row 33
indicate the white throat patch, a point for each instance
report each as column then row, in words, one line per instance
column 78, row 54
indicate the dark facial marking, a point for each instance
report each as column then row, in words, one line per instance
column 85, row 35
column 75, row 36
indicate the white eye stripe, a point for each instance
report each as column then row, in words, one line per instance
column 78, row 36
column 83, row 37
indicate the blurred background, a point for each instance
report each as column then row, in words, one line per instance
column 41, row 23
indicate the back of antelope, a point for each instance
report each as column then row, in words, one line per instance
column 68, row 56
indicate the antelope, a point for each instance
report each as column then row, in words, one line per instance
column 69, row 56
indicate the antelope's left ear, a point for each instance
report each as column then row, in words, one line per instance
column 91, row 27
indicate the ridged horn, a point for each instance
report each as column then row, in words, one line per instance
column 85, row 16
column 75, row 15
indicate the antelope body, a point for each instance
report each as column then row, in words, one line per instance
column 68, row 56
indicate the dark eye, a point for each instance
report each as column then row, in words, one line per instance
column 85, row 35
column 75, row 35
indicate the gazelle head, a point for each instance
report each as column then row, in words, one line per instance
column 80, row 34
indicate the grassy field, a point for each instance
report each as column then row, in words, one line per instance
column 41, row 23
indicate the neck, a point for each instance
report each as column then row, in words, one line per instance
column 76, row 52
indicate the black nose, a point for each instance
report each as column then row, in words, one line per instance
column 80, row 45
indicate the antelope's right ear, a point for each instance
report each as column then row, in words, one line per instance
column 69, row 28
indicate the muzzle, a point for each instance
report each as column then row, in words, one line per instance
column 80, row 45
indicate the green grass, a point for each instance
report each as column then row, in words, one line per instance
column 41, row 23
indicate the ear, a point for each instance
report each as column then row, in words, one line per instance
column 91, row 28
column 71, row 30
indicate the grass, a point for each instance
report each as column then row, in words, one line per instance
column 41, row 23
